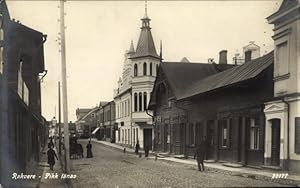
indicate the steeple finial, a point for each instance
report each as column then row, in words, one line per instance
column 145, row 8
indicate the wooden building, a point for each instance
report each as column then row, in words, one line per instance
column 23, row 129
column 219, row 102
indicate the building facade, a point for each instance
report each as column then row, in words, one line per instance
column 23, row 129
column 282, row 139
column 249, row 114
column 223, row 105
column 133, row 93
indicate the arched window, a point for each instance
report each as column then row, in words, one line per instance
column 151, row 69
column 135, row 102
column 145, row 68
column 145, row 101
column 140, row 101
column 135, row 70
column 156, row 69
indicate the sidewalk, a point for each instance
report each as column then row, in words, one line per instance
column 262, row 174
column 45, row 182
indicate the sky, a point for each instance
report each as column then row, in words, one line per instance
column 99, row 32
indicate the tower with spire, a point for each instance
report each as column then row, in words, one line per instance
column 132, row 97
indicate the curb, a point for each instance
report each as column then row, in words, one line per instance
column 290, row 182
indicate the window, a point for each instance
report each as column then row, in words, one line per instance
column 254, row 134
column 151, row 69
column 145, row 68
column 129, row 107
column 137, row 134
column 135, row 102
column 192, row 134
column 140, row 102
column 145, row 100
column 156, row 69
column 135, row 70
column 282, row 59
column 225, row 133
column 125, row 108
column 297, row 135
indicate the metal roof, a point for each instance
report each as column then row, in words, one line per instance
column 229, row 77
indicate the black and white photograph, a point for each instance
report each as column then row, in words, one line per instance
column 149, row 93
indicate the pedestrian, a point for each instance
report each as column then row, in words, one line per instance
column 50, row 143
column 51, row 160
column 137, row 147
column 146, row 151
column 89, row 153
column 199, row 155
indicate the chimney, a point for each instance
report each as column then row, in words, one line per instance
column 223, row 57
column 248, row 56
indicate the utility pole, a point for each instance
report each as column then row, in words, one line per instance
column 59, row 121
column 64, row 86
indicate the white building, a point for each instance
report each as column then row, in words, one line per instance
column 134, row 88
column 282, row 139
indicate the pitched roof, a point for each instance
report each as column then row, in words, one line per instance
column 181, row 75
column 131, row 49
column 229, row 77
column 145, row 46
column 285, row 5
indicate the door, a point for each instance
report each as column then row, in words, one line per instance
column 166, row 138
column 148, row 138
column 275, row 146
column 210, row 139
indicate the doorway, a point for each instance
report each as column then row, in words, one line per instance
column 148, row 138
column 275, row 142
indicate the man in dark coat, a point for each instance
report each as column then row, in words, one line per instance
column 199, row 155
column 50, row 143
column 89, row 153
column 51, row 160
column 146, row 151
column 137, row 147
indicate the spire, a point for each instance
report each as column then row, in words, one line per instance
column 131, row 49
column 160, row 53
column 146, row 8
column 145, row 46
column 146, row 19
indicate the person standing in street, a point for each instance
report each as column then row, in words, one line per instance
column 137, row 147
column 89, row 153
column 51, row 154
column 146, row 151
column 199, row 155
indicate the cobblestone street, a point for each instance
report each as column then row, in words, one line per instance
column 112, row 168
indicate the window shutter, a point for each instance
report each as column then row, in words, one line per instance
column 297, row 135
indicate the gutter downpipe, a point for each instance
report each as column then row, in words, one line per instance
column 152, row 116
column 288, row 130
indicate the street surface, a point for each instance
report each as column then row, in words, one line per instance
column 113, row 168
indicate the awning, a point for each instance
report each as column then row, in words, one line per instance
column 97, row 129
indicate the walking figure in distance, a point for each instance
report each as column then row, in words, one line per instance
column 199, row 155
column 89, row 153
column 50, row 143
column 137, row 147
column 51, row 154
column 146, row 151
